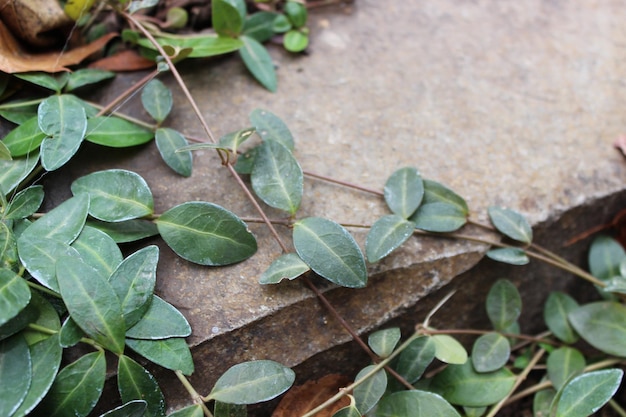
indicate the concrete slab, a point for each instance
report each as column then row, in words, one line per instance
column 508, row 103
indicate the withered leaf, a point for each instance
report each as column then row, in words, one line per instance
column 303, row 398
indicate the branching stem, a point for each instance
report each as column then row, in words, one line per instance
column 197, row 398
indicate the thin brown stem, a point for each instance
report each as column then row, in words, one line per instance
column 533, row 339
column 343, row 183
column 127, row 93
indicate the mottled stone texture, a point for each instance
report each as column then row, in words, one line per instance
column 509, row 103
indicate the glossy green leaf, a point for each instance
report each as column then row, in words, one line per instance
column 25, row 203
column 18, row 111
column 605, row 256
column 587, row 393
column 439, row 217
column 141, row 4
column 98, row 250
column 92, row 303
column 77, row 387
column 229, row 410
column 474, row 411
column 368, row 393
column 86, row 76
column 15, row 373
column 63, row 223
column 510, row 223
column 435, row 192
column 504, row 304
column 330, row 251
column 490, row 352
column 226, row 18
column 555, row 314
column 46, row 317
column 233, row 140
column 349, row 411
column 201, row 46
column 64, row 122
column 296, row 40
column 277, row 177
column 383, row 342
column 259, row 62
column 161, row 321
column 564, row 363
column 259, row 26
column 404, row 191
column 28, row 315
column 512, row 256
column 281, row 24
column 14, row 171
column 206, row 234
column 168, row 141
column 8, row 247
column 462, row 385
column 191, row 411
column 170, row 353
column 415, row 358
column 617, row 284
column 448, row 349
column 126, row 231
column 136, row 383
column 14, row 295
column 252, row 382
column 271, row 127
column 116, row 195
column 287, row 266
column 542, row 402
column 157, row 100
column 603, row 325
column 39, row 257
column 136, row 408
column 296, row 12
column 245, row 161
column 25, row 138
column 133, row 282
column 386, row 235
column 116, row 132
column 52, row 82
column 415, row 403
column 70, row 333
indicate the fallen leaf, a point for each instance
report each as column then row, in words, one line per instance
column 304, row 398
column 13, row 58
column 127, row 60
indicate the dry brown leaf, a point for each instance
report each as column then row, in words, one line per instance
column 13, row 58
column 127, row 60
column 304, row 398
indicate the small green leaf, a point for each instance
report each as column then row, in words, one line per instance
column 5, row 153
column 25, row 138
column 161, row 321
column 296, row 40
column 404, row 191
column 259, row 62
column 386, row 235
column 14, row 295
column 8, row 247
column 201, row 46
column 296, row 12
column 229, row 410
column 233, row 140
column 136, row 408
column 564, row 363
column 439, row 217
column 605, row 256
column 206, row 234
column 448, row 349
column 259, row 26
column 168, row 142
column 512, row 224
column 18, row 111
column 504, row 304
column 191, row 411
column 587, row 393
column 287, row 266
column 542, row 402
column 70, row 333
column 414, row 360
column 115, row 195
column 86, row 76
column 116, row 133
column 157, row 100
column 28, row 315
column 435, row 192
column 383, row 342
column 281, row 24
column 277, row 177
column 227, row 19
column 98, row 250
column 252, row 382
column 46, row 317
column 170, row 353
column 136, row 383
column 39, row 257
column 14, row 171
column 245, row 161
column 330, row 251
column 511, row 256
column 349, row 411
column 63, row 223
column 474, row 411
column 490, row 352
column 415, row 403
column 141, row 4
column 127, row 231
column 555, row 313
column 271, row 127
column 15, row 373
column 367, row 395
column 603, row 325
column 25, row 203
column 45, row 80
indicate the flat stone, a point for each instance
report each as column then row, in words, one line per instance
column 508, row 104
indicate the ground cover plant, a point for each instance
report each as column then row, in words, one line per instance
column 64, row 281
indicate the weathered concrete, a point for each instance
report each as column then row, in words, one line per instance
column 513, row 104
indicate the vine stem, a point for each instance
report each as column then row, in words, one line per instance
column 533, row 339
column 127, row 93
column 197, row 398
column 343, row 183
column 42, row 289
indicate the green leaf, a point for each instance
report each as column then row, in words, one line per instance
column 25, row 138
column 229, row 410
column 70, row 333
column 415, row 403
column 271, row 127
column 512, row 256
column 15, row 373
column 39, row 257
column 157, row 100
column 404, row 191
column 296, row 12
column 126, row 231
column 542, row 402
column 136, row 408
column 448, row 349
column 8, row 247
column 86, row 76
column 226, row 19
column 461, row 385
column 141, row 4
column 245, row 161
column 206, row 234
column 510, row 223
column 63, row 223
column 259, row 26
column 18, row 111
column 587, row 393
column 259, row 62
column 25, row 203
column 161, row 321
column 201, row 46
column 564, row 363
column 281, row 24
column 168, row 141
column 45, row 80
column 115, row 195
column 116, row 133
column 439, row 217
column 233, row 140
column 170, row 353
column 435, row 192
column 92, row 303
column 490, row 352
column 504, row 304
column 330, row 251
column 414, row 360
column 605, row 256
column 557, row 308
column 296, row 40
column 77, row 387
column 287, row 266
column 277, row 177
column 603, row 325
column 64, row 122
column 16, row 170
column 252, row 382
column 383, row 342
column 367, row 395
column 98, row 250
column 14, row 295
column 46, row 317
column 133, row 282
column 28, row 315
column 191, row 411
column 349, row 411
column 136, row 383
column 386, row 235
column 5, row 153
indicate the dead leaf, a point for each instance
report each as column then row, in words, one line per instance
column 37, row 22
column 127, row 60
column 13, row 58
column 304, row 398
